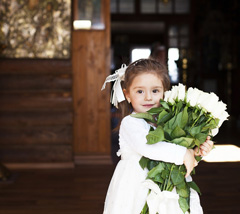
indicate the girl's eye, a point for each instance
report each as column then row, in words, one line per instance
column 155, row 91
column 140, row 91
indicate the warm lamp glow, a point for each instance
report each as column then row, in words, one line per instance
column 223, row 153
column 81, row 24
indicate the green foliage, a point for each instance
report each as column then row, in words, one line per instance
column 157, row 169
column 184, row 204
column 194, row 186
column 155, row 136
column 143, row 162
column 147, row 116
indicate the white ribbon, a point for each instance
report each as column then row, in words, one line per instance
column 117, row 95
column 163, row 202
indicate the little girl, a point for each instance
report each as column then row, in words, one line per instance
column 143, row 83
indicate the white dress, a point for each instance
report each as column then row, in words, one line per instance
column 127, row 192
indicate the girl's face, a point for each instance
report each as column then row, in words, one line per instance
column 145, row 92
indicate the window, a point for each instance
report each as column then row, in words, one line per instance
column 122, row 6
column 140, row 53
column 151, row 6
column 178, row 36
column 173, row 56
column 165, row 6
column 148, row 6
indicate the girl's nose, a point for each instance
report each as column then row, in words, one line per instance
column 148, row 96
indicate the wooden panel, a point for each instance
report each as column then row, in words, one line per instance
column 31, row 66
column 91, row 106
column 31, row 118
column 41, row 82
column 35, row 153
column 36, row 111
column 28, row 101
column 36, row 135
column 91, row 65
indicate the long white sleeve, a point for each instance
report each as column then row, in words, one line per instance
column 133, row 133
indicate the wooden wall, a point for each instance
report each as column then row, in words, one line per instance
column 35, row 111
column 52, row 112
column 91, row 65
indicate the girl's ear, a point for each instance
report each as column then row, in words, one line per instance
column 127, row 95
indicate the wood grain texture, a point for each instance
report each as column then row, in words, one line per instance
column 52, row 110
column 36, row 111
column 91, row 65
column 82, row 190
column 35, row 153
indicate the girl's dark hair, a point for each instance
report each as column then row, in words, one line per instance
column 139, row 67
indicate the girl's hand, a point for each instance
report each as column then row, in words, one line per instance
column 205, row 148
column 189, row 161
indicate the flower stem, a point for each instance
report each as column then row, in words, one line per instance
column 197, row 119
column 169, row 177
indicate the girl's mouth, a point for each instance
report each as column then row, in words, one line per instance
column 148, row 105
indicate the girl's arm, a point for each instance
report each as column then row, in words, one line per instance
column 133, row 132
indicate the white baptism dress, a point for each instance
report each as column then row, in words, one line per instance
column 127, row 192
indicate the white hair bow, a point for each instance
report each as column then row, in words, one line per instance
column 117, row 95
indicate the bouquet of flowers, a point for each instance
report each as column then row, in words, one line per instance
column 185, row 118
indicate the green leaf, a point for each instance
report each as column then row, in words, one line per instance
column 183, row 118
column 172, row 123
column 198, row 158
column 196, row 142
column 195, row 130
column 179, row 106
column 154, row 171
column 178, row 132
column 143, row 162
column 155, row 136
column 184, row 204
column 181, row 185
column 167, row 134
column 145, row 209
column 168, row 165
column 194, row 186
column 151, row 164
column 158, row 178
column 201, row 137
column 212, row 124
column 176, row 176
column 165, row 174
column 164, row 104
column 161, row 115
column 183, row 191
column 165, row 118
column 183, row 141
column 155, row 110
column 144, row 115
column 194, row 115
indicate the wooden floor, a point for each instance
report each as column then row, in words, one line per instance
column 82, row 190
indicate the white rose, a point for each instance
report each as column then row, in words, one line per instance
column 224, row 116
column 192, row 96
column 203, row 96
column 166, row 95
column 214, row 132
column 181, row 91
column 209, row 102
column 172, row 95
column 220, row 108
